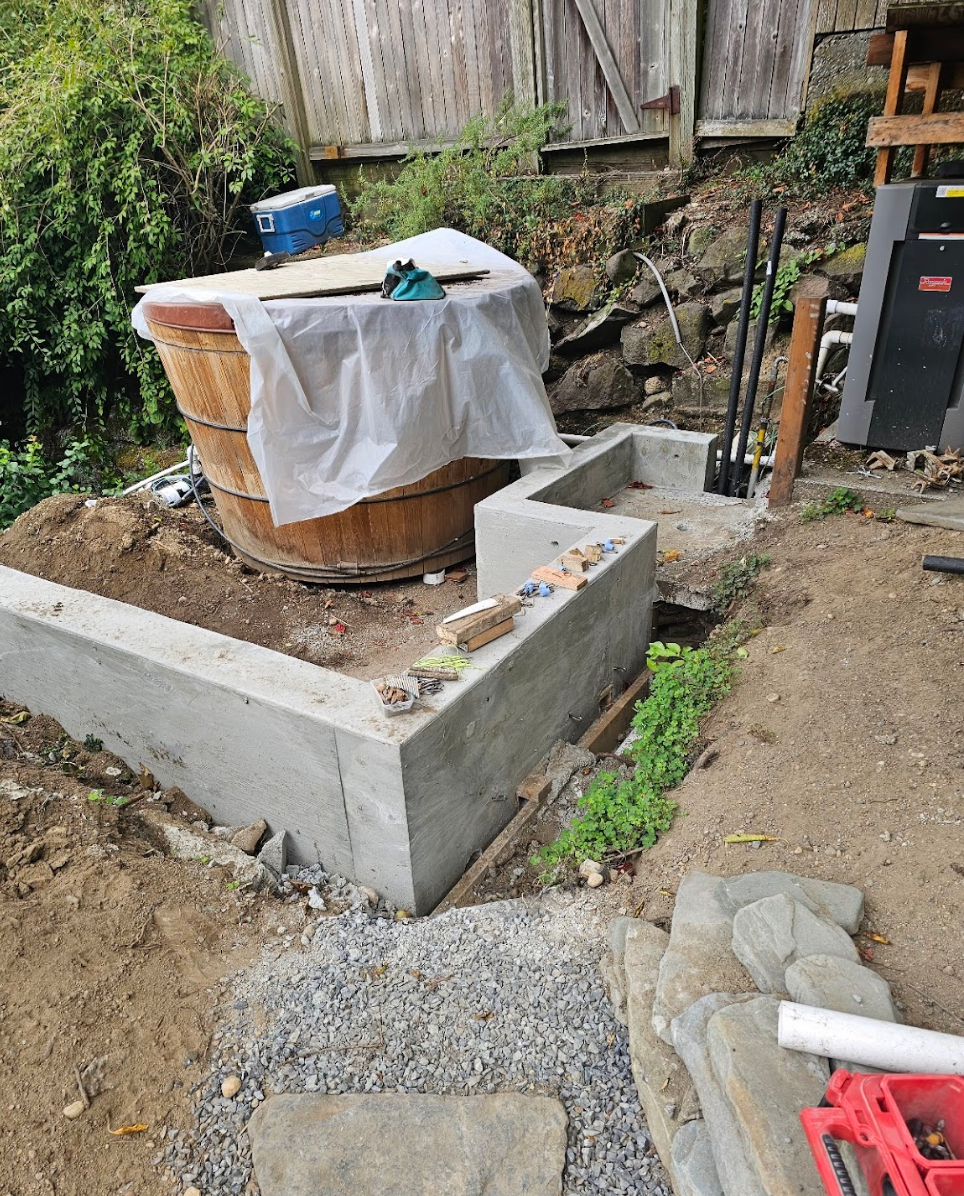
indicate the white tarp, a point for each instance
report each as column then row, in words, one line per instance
column 354, row 395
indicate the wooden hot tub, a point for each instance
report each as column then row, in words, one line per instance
column 403, row 532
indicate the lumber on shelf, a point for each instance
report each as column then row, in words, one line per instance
column 460, row 631
column 939, row 128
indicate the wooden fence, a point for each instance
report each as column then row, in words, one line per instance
column 369, row 78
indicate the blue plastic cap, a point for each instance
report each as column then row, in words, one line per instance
column 608, row 546
column 544, row 590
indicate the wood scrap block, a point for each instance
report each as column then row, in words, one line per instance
column 556, row 577
column 486, row 637
column 575, row 561
column 594, row 553
column 461, row 630
column 457, row 575
column 536, row 787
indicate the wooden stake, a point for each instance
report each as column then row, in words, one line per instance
column 896, row 82
column 808, row 317
column 931, row 95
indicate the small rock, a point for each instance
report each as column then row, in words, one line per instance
column 575, row 288
column 588, row 867
column 369, row 894
column 700, row 239
column 597, row 332
column 249, row 837
column 654, row 385
column 773, row 697
column 724, row 257
column 653, row 342
column 274, row 853
column 74, row 1109
column 622, row 267
column 192, row 1192
column 595, row 383
column 230, row 1086
column 725, row 306
column 646, row 292
column 594, row 880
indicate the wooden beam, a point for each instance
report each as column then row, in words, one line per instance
column 292, row 90
column 926, row 45
column 746, row 128
column 610, row 70
column 608, row 730
column 522, row 52
column 940, row 128
column 912, row 16
column 896, row 81
column 931, row 96
column 808, row 317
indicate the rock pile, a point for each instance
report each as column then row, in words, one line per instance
column 721, row 1097
column 615, row 347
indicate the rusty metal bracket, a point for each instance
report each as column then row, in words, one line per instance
column 667, row 103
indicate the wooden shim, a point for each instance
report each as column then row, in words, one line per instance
column 614, row 80
column 940, row 128
column 604, row 734
column 556, row 577
column 341, row 274
column 459, row 630
column 493, row 633
column 808, row 317
column 594, row 553
column 575, row 560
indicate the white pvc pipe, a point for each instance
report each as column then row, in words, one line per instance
column 840, row 308
column 827, row 341
column 866, row 1041
column 154, row 478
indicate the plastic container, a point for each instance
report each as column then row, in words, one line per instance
column 299, row 220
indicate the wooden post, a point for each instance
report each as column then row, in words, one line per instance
column 683, row 71
column 932, row 93
column 808, row 317
column 896, row 82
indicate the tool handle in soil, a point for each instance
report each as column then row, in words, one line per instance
column 739, row 351
column 759, row 345
column 943, row 564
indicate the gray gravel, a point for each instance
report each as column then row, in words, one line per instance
column 493, row 998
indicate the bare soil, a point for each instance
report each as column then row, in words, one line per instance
column 171, row 562
column 111, row 953
column 843, row 740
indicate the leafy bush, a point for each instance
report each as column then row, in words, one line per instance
column 836, row 503
column 128, row 146
column 487, row 185
column 829, row 152
column 27, row 476
column 618, row 816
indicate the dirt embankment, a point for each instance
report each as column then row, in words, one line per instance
column 172, row 563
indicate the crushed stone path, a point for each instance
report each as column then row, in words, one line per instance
column 495, row 998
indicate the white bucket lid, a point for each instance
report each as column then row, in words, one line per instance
column 290, row 198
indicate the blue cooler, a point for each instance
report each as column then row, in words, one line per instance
column 298, row 220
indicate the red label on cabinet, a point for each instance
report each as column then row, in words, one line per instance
column 934, row 283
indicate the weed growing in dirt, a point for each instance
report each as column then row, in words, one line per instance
column 836, row 503
column 93, row 744
column 737, row 579
column 787, row 275
column 619, row 816
column 487, row 185
column 98, row 795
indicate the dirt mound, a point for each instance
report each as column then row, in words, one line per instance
column 110, row 955
column 171, row 562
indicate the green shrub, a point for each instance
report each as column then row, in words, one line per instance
column 27, row 476
column 618, row 816
column 128, row 147
column 487, row 185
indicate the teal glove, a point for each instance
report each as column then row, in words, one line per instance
column 405, row 281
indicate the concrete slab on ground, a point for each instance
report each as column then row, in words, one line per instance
column 410, row 1145
column 948, row 513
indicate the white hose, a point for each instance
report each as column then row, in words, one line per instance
column 869, row 1042
column 669, row 303
column 827, row 342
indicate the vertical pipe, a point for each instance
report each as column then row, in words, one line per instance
column 739, row 352
column 759, row 344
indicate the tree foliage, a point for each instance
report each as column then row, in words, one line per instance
column 128, row 149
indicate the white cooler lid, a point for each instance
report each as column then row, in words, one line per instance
column 275, row 202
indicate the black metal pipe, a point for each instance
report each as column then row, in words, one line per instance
column 739, row 351
column 943, row 564
column 759, row 344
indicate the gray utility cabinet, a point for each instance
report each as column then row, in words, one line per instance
column 906, row 371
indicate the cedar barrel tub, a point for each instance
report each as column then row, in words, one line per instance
column 415, row 529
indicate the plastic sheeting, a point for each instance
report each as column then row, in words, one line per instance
column 354, row 395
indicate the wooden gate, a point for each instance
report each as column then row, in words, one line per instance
column 756, row 57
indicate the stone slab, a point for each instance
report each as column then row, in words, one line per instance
column 843, row 904
column 736, row 1175
column 665, row 1090
column 613, row 967
column 694, row 1167
column 829, row 982
column 409, row 1145
column 771, row 934
column 699, row 959
column 765, row 1087
column 948, row 514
